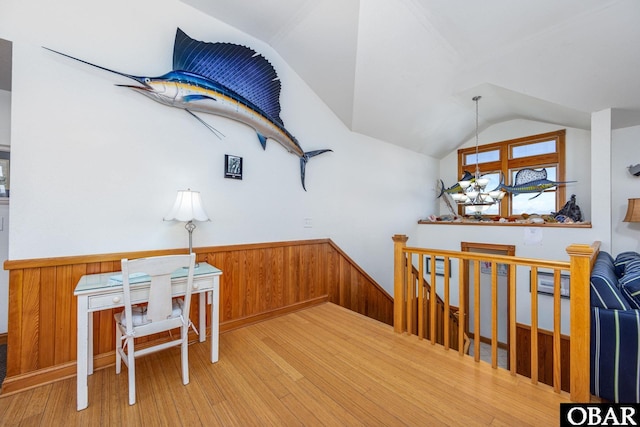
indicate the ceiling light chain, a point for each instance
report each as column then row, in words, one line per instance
column 473, row 192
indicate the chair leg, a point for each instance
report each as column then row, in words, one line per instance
column 184, row 354
column 131, row 365
column 118, row 349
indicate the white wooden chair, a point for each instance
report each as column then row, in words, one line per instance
column 162, row 313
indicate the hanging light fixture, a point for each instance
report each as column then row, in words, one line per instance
column 474, row 194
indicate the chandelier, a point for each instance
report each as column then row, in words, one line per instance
column 473, row 192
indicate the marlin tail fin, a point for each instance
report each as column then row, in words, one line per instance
column 304, row 159
column 441, row 189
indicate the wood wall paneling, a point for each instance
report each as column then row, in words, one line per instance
column 545, row 356
column 258, row 281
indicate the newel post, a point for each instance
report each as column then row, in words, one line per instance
column 579, row 303
column 399, row 294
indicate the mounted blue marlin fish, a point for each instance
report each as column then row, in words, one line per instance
column 224, row 79
column 455, row 188
column 530, row 181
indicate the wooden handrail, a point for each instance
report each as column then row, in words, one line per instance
column 581, row 260
column 399, row 271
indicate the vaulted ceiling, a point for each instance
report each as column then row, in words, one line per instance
column 405, row 71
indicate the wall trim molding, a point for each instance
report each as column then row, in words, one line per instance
column 117, row 256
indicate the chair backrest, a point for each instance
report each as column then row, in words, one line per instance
column 159, row 269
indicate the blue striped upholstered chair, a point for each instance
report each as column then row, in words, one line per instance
column 615, row 327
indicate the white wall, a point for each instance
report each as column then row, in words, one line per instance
column 5, row 134
column 95, row 167
column 4, row 275
column 625, row 149
column 601, row 184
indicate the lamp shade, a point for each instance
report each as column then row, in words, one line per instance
column 188, row 207
column 633, row 211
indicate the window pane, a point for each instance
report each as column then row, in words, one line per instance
column 494, row 180
column 537, row 152
column 526, row 150
column 483, row 157
column 491, row 210
column 544, row 204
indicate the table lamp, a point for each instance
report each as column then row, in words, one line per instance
column 188, row 207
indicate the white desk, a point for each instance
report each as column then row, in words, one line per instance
column 97, row 292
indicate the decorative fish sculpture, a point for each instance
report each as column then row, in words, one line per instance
column 455, row 188
column 223, row 79
column 530, row 181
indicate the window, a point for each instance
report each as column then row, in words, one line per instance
column 501, row 161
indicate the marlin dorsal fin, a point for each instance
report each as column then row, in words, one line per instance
column 235, row 67
column 524, row 176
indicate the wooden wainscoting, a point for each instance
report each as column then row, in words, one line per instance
column 545, row 356
column 259, row 281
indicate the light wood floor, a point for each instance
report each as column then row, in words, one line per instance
column 320, row 366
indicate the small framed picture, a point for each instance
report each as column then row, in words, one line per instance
column 485, row 268
column 232, row 167
column 439, row 266
column 545, row 284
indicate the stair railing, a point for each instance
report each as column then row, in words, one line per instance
column 410, row 296
column 422, row 319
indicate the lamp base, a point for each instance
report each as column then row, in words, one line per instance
column 190, row 226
